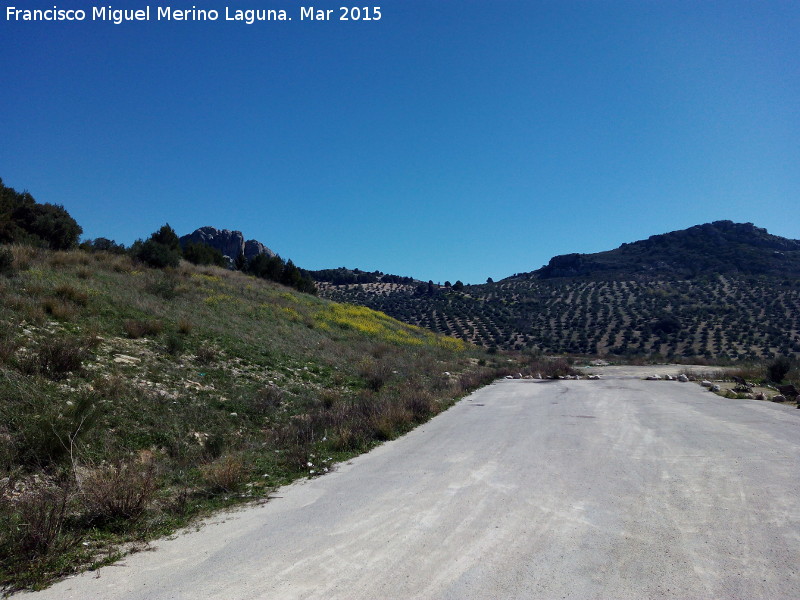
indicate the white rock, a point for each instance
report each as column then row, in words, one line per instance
column 706, row 383
column 683, row 378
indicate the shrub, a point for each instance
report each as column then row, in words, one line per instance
column 227, row 474
column 157, row 255
column 58, row 309
column 174, row 344
column 375, row 373
column 69, row 292
column 56, row 358
column 206, row 354
column 45, row 432
column 778, row 369
column 33, row 525
column 120, row 491
column 266, row 400
column 6, row 261
column 166, row 288
column 184, row 326
column 8, row 345
column 139, row 329
column 202, row 254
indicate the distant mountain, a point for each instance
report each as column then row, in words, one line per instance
column 721, row 289
column 721, row 247
column 230, row 243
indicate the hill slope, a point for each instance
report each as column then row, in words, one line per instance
column 133, row 398
column 721, row 289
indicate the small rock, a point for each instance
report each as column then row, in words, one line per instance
column 683, row 378
column 124, row 359
column 778, row 398
column 706, row 383
column 714, row 388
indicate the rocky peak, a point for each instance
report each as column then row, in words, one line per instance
column 230, row 243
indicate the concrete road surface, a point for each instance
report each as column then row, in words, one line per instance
column 618, row 488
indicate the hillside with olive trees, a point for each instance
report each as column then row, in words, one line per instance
column 720, row 290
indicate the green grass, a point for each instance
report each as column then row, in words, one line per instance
column 135, row 400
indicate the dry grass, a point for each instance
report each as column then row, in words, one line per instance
column 226, row 474
column 136, row 328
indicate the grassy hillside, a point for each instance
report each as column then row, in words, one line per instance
column 132, row 399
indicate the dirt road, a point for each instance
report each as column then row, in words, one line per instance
column 618, row 488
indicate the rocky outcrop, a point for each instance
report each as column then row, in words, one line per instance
column 230, row 243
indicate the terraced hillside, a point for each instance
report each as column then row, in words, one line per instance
column 644, row 298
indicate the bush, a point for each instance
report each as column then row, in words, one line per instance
column 266, row 400
column 206, row 354
column 174, row 344
column 73, row 294
column 375, row 373
column 226, row 474
column 33, row 526
column 56, row 358
column 25, row 221
column 157, row 255
column 6, row 261
column 138, row 329
column 120, row 491
column 202, row 254
column 778, row 369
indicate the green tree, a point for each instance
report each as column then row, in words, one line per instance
column 25, row 221
column 203, row 254
column 161, row 250
column 166, row 236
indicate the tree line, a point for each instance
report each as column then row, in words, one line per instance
column 23, row 220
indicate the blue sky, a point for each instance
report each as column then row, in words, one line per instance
column 448, row 140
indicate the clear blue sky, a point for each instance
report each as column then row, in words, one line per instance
column 449, row 140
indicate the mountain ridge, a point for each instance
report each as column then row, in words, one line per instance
column 719, row 247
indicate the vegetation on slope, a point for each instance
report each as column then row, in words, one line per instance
column 133, row 398
column 718, row 317
column 721, row 290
